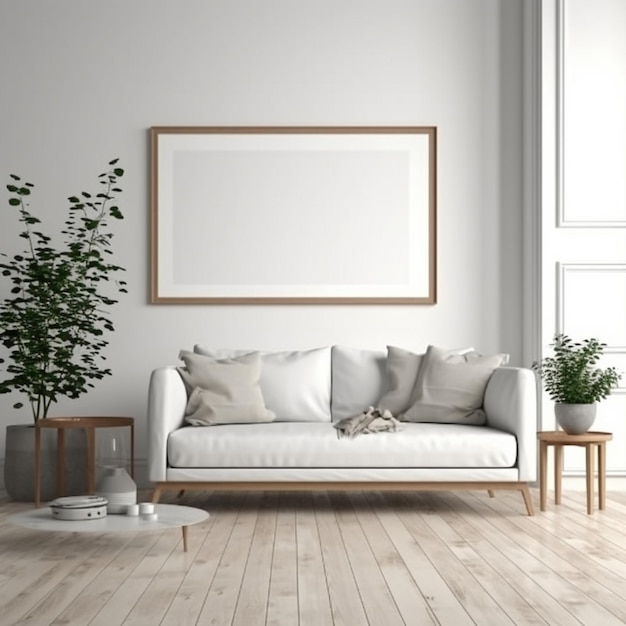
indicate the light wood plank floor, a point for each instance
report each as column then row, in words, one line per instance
column 330, row 558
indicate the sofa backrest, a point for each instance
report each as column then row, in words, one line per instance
column 332, row 383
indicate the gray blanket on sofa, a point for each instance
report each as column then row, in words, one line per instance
column 370, row 421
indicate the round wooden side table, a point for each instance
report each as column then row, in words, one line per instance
column 590, row 441
column 89, row 425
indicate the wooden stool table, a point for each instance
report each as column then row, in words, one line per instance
column 590, row 441
column 89, row 424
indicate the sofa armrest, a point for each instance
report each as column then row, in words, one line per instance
column 167, row 400
column 511, row 405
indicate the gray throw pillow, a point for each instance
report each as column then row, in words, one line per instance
column 223, row 391
column 358, row 380
column 401, row 374
column 450, row 387
column 402, row 370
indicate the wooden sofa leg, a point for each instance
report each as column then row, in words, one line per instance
column 528, row 501
column 156, row 494
column 181, row 493
column 491, row 493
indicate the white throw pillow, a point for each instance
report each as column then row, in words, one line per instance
column 223, row 391
column 358, row 380
column 450, row 387
column 296, row 385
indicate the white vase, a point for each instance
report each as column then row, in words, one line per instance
column 118, row 488
column 575, row 419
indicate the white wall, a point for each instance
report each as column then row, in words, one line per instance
column 83, row 81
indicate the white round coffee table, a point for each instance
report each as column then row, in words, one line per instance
column 169, row 516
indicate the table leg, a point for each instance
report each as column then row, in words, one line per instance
column 60, row 462
column 37, row 466
column 91, row 460
column 185, row 538
column 602, row 475
column 589, row 448
column 543, row 478
column 558, row 472
column 132, row 451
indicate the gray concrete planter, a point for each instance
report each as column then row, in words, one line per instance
column 575, row 419
column 19, row 463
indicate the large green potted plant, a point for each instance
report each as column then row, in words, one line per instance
column 55, row 318
column 574, row 383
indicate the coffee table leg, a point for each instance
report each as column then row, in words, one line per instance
column 185, row 538
column 589, row 448
column 60, row 462
column 558, row 470
column 543, row 478
column 91, row 460
column 602, row 476
column 132, row 451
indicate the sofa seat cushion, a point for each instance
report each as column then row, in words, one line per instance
column 316, row 445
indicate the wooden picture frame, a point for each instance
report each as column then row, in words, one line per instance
column 293, row 215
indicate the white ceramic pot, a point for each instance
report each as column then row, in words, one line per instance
column 575, row 419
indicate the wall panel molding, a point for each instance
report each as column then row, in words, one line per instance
column 565, row 270
column 563, row 220
column 600, row 313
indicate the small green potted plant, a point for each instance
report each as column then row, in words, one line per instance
column 574, row 383
column 54, row 318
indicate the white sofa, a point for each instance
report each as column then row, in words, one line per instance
column 310, row 390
